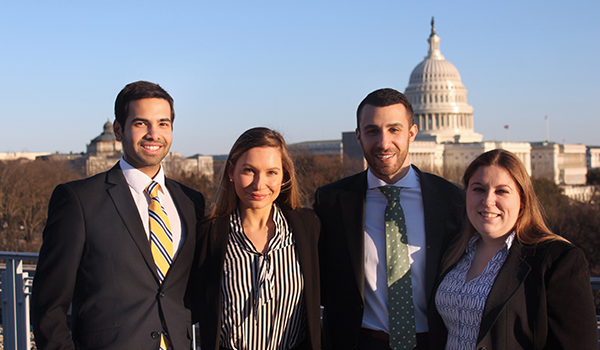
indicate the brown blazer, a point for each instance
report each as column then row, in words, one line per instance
column 541, row 299
column 205, row 282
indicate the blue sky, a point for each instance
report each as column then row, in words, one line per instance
column 299, row 67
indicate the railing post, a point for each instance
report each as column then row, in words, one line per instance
column 23, row 296
column 15, row 301
column 9, row 305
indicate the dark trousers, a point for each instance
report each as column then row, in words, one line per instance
column 366, row 342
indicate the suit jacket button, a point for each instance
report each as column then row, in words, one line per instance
column 162, row 295
column 155, row 335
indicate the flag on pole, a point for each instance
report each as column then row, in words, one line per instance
column 506, row 127
column 546, row 117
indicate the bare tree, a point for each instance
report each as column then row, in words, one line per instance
column 25, row 189
column 314, row 171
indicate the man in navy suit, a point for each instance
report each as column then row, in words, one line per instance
column 97, row 255
column 352, row 242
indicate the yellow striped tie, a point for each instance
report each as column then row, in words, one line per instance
column 160, row 232
column 161, row 240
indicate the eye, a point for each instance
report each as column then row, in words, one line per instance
column 477, row 189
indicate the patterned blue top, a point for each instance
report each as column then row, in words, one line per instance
column 461, row 303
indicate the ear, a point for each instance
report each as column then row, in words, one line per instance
column 412, row 132
column 357, row 132
column 117, row 130
column 231, row 167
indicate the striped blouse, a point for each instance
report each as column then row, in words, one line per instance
column 263, row 294
column 461, row 302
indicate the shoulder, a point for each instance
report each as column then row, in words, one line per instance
column 189, row 192
column 345, row 183
column 304, row 214
column 550, row 254
column 81, row 188
column 356, row 184
column 432, row 180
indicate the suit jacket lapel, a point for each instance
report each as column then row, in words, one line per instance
column 352, row 204
column 300, row 238
column 512, row 274
column 185, row 209
column 433, row 243
column 121, row 196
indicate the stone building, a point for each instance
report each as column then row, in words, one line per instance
column 104, row 151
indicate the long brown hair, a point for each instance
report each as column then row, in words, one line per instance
column 256, row 137
column 530, row 227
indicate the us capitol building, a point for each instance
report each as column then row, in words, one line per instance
column 447, row 142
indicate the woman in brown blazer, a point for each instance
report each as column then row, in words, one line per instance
column 510, row 283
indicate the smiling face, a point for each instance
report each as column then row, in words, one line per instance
column 384, row 134
column 493, row 202
column 147, row 134
column 257, row 177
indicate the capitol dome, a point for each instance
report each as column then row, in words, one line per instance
column 439, row 99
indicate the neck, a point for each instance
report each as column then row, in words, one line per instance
column 256, row 218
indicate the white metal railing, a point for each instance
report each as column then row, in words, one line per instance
column 16, row 285
column 15, row 288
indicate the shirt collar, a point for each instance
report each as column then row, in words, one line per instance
column 138, row 180
column 507, row 242
column 408, row 181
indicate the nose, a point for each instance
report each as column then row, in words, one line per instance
column 489, row 198
column 258, row 182
column 152, row 132
column 383, row 140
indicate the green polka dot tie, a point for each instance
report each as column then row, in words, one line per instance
column 400, row 302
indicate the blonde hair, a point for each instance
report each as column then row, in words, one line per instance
column 256, row 137
column 530, row 228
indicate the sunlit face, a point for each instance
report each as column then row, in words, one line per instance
column 384, row 135
column 493, row 202
column 257, row 177
column 147, row 134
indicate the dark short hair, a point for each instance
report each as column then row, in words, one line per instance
column 257, row 137
column 383, row 98
column 137, row 91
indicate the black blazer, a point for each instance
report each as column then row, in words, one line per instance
column 341, row 208
column 541, row 299
column 206, row 280
column 96, row 255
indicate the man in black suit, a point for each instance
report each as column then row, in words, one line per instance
column 97, row 253
column 353, row 238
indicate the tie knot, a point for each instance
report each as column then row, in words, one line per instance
column 152, row 189
column 392, row 193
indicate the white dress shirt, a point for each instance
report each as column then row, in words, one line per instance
column 137, row 182
column 376, row 293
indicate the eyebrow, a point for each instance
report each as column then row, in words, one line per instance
column 147, row 120
column 385, row 126
column 501, row 185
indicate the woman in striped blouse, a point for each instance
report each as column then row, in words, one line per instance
column 510, row 283
column 257, row 281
